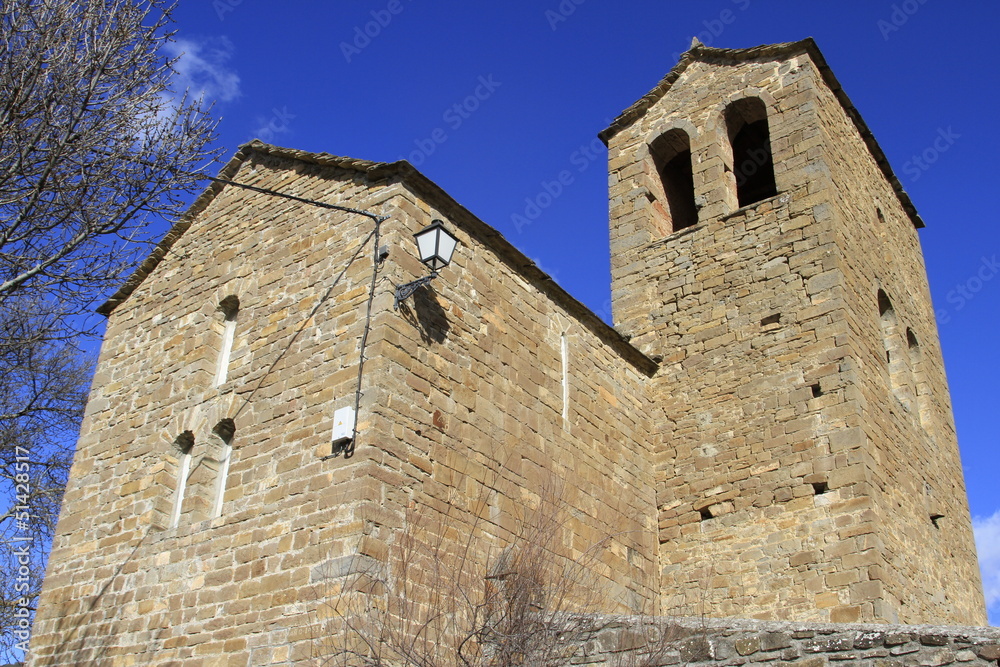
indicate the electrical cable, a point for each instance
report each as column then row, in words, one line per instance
column 348, row 449
column 267, row 191
column 322, row 300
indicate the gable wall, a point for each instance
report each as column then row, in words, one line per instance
column 122, row 583
column 462, row 404
column 482, row 428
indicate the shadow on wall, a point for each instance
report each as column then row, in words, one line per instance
column 89, row 648
column 427, row 315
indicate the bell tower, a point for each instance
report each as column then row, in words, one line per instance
column 807, row 465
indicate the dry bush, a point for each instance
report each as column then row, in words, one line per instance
column 457, row 590
column 452, row 593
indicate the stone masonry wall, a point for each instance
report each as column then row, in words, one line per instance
column 461, row 427
column 123, row 586
column 928, row 565
column 498, row 394
column 774, row 309
column 606, row 640
column 764, row 509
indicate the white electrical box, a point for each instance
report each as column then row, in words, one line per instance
column 343, row 426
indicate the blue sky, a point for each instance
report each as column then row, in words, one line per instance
column 493, row 100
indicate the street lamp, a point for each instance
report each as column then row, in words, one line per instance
column 436, row 245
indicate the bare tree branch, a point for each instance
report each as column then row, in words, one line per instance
column 43, row 386
column 94, row 145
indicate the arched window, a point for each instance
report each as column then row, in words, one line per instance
column 183, row 447
column 900, row 378
column 671, row 153
column 228, row 308
column 750, row 139
column 920, row 386
column 224, row 431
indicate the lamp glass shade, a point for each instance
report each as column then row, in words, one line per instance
column 436, row 245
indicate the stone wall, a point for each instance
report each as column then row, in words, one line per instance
column 480, row 396
column 608, row 640
column 126, row 579
column 500, row 389
column 764, row 508
column 799, row 472
column 927, row 565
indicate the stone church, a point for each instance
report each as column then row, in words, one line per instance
column 764, row 433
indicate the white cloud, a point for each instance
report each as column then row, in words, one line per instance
column 988, row 546
column 202, row 68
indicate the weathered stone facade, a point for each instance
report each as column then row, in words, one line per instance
column 819, row 461
column 759, row 436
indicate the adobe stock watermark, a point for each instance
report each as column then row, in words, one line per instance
column 364, row 34
column 755, row 159
column 454, row 117
column 964, row 292
column 715, row 26
column 550, row 190
column 562, row 12
column 898, row 17
column 21, row 548
column 918, row 164
column 223, row 7
column 267, row 130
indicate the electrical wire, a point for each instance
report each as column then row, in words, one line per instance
column 267, row 191
column 376, row 261
column 378, row 219
column 319, row 304
column 348, row 450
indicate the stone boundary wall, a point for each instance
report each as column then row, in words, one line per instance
column 654, row 642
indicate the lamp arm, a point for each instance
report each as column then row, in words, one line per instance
column 403, row 292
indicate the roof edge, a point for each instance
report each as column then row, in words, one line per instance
column 521, row 263
column 700, row 52
column 210, row 193
column 175, row 232
column 422, row 186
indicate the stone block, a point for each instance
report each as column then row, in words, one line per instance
column 747, row 645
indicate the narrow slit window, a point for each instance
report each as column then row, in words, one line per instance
column 671, row 153
column 564, row 347
column 228, row 307
column 898, row 363
column 225, row 430
column 750, row 140
column 183, row 445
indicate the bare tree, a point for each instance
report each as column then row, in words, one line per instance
column 93, row 143
column 42, row 395
column 94, row 146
